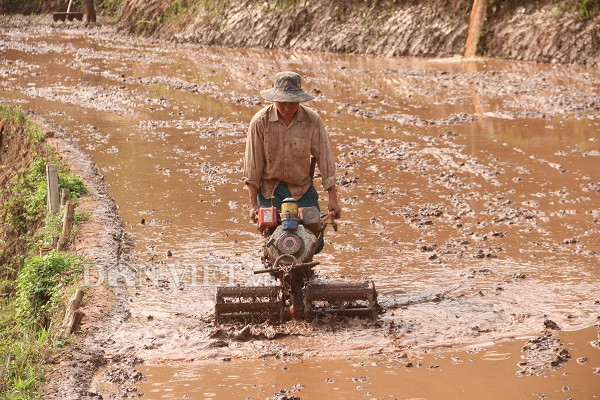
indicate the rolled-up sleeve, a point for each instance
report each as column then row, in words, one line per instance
column 254, row 158
column 322, row 151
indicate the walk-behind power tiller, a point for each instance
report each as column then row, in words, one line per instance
column 292, row 237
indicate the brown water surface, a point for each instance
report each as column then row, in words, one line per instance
column 470, row 194
column 434, row 376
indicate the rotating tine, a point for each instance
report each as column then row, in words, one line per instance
column 353, row 299
column 249, row 304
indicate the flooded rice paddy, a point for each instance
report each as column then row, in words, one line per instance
column 470, row 192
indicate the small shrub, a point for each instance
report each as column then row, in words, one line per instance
column 18, row 117
column 71, row 182
column 39, row 286
column 52, row 228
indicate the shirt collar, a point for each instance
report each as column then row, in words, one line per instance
column 300, row 114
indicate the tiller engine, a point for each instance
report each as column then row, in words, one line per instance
column 292, row 238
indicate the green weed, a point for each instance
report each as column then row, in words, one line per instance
column 110, row 7
column 17, row 116
column 588, row 9
column 39, row 286
column 213, row 8
column 23, row 354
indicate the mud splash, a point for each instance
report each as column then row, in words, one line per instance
column 471, row 194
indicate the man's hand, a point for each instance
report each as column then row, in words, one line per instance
column 333, row 203
column 335, row 207
column 254, row 214
column 252, row 193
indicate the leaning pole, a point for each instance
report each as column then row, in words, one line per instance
column 475, row 25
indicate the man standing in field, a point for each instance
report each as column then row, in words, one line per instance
column 282, row 137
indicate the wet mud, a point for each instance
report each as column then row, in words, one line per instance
column 476, row 372
column 470, row 192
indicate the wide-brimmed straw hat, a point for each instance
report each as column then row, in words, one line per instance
column 287, row 88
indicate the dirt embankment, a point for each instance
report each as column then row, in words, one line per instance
column 107, row 7
column 34, row 6
column 544, row 30
column 100, row 241
column 104, row 244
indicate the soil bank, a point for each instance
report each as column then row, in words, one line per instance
column 99, row 241
column 103, row 243
column 542, row 31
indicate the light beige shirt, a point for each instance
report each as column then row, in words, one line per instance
column 276, row 152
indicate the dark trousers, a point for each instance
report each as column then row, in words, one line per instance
column 308, row 199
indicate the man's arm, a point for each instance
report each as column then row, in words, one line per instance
column 321, row 149
column 254, row 160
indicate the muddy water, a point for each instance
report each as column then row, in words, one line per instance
column 434, row 376
column 470, row 194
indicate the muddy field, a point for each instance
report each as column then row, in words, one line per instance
column 470, row 192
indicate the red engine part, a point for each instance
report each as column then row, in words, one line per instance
column 267, row 217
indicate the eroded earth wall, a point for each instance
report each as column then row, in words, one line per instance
column 544, row 30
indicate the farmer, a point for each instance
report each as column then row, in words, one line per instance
column 281, row 139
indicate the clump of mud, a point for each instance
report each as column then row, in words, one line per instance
column 123, row 374
column 543, row 352
column 264, row 331
column 287, row 394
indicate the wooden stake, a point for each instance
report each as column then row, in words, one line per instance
column 73, row 317
column 67, row 224
column 76, row 322
column 90, row 11
column 52, row 180
column 44, row 250
column 65, row 195
column 1, row 130
column 475, row 27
